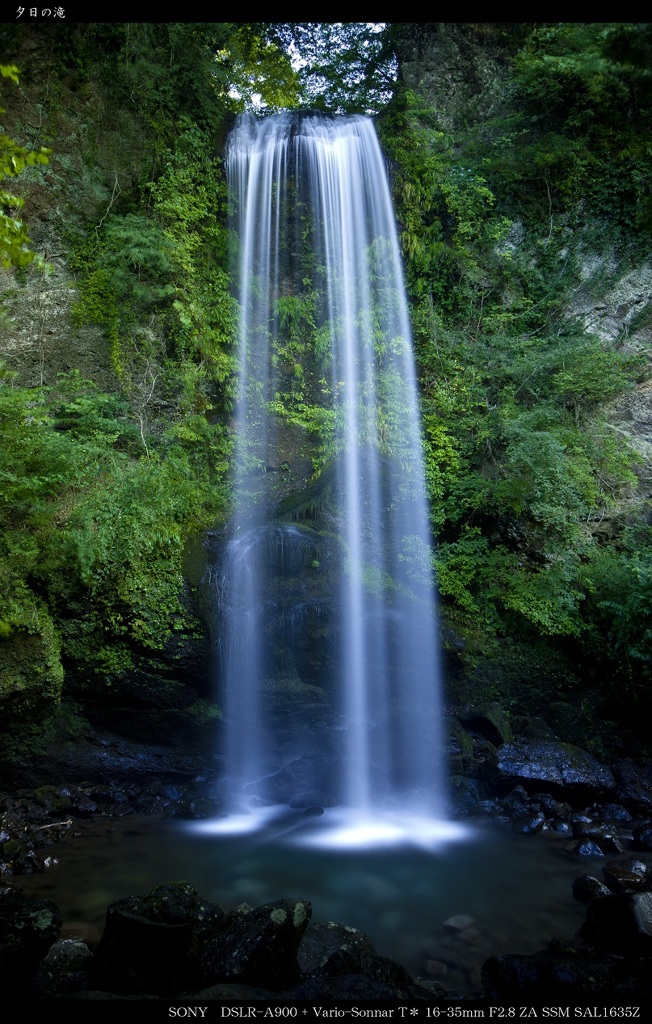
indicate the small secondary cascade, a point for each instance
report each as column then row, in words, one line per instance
column 324, row 327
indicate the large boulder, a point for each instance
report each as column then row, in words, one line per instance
column 549, row 761
column 588, row 887
column 627, row 876
column 634, row 785
column 66, row 968
column 349, row 978
column 324, row 942
column 259, row 946
column 27, row 930
column 488, row 720
column 620, row 923
column 153, row 943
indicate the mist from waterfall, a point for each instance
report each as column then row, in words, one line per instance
column 312, row 210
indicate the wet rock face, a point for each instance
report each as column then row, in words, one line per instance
column 528, row 824
column 643, row 835
column 341, row 963
column 464, row 796
column 632, row 415
column 587, row 888
column 587, row 848
column 455, row 68
column 287, row 785
column 488, row 720
column 324, row 942
column 296, row 565
column 597, row 836
column 560, row 763
column 610, row 313
column 634, row 785
column 65, row 969
column 627, row 876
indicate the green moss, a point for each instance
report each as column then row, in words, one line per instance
column 98, row 304
column 31, row 675
column 50, row 798
column 203, row 711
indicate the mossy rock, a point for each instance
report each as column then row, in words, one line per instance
column 31, row 675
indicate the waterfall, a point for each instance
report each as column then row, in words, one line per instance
column 327, row 401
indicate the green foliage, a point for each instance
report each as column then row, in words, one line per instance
column 519, row 462
column 205, row 71
column 509, row 445
column 138, row 259
column 98, row 304
column 167, row 265
column 585, row 116
column 126, row 271
column 189, row 200
column 619, row 582
column 574, row 372
column 300, row 394
column 492, row 587
column 257, row 69
column 466, row 567
column 15, row 246
column 31, row 674
column 128, row 549
column 118, row 266
column 92, row 533
column 450, row 229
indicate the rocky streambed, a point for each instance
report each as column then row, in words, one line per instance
column 227, row 935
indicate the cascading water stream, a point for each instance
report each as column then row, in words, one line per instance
column 315, row 225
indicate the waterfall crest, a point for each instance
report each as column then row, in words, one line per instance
column 326, row 378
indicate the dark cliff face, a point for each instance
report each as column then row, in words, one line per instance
column 96, row 161
column 465, row 77
column 460, row 71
